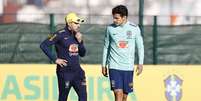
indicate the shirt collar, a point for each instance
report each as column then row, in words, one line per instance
column 127, row 23
column 67, row 30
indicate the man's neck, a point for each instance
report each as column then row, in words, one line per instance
column 124, row 23
column 70, row 30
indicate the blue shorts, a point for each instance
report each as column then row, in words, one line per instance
column 121, row 80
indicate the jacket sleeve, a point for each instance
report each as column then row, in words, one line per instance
column 47, row 43
column 105, row 48
column 140, row 46
column 82, row 49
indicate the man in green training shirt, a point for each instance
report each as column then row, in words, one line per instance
column 119, row 53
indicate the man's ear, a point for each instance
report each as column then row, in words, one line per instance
column 125, row 17
column 68, row 23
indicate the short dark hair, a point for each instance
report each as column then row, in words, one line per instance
column 120, row 9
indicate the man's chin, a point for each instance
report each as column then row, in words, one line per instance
column 77, row 30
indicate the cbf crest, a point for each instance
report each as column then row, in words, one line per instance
column 73, row 50
column 129, row 34
column 173, row 85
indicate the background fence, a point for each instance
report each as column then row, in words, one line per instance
column 164, row 44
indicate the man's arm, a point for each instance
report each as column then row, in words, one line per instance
column 45, row 48
column 140, row 48
column 47, row 43
column 105, row 53
column 81, row 48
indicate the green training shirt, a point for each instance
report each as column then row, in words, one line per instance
column 119, row 46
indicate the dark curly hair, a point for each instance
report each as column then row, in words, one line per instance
column 120, row 9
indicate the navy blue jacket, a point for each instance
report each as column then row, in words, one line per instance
column 67, row 47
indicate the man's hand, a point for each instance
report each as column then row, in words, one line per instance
column 104, row 71
column 61, row 62
column 139, row 69
column 78, row 36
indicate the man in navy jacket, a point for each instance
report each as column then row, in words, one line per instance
column 69, row 47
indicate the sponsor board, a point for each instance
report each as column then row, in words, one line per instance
column 26, row 82
column 39, row 83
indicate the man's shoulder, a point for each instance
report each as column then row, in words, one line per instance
column 60, row 31
column 132, row 24
column 111, row 26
